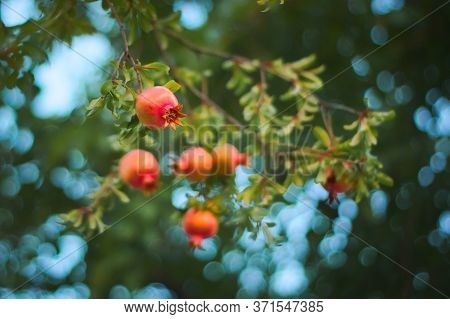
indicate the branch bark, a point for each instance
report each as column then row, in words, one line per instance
column 125, row 42
column 239, row 58
column 199, row 94
column 208, row 101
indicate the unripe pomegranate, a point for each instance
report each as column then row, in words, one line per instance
column 198, row 225
column 226, row 158
column 195, row 163
column 335, row 186
column 139, row 169
column 158, row 107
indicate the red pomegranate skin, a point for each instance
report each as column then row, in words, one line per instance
column 157, row 107
column 195, row 163
column 139, row 169
column 335, row 186
column 226, row 158
column 199, row 225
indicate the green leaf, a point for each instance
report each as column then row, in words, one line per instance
column 92, row 222
column 95, row 103
column 321, row 177
column 106, row 87
column 304, row 62
column 121, row 195
column 313, row 78
column 249, row 112
column 370, row 136
column 351, row 126
column 321, row 135
column 269, row 236
column 384, row 179
column 173, row 86
column 174, row 17
column 357, row 138
column 156, row 66
column 126, row 75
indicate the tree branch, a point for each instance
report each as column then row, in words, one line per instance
column 207, row 100
column 263, row 85
column 238, row 58
column 202, row 50
column 166, row 59
column 337, row 106
column 125, row 42
column 199, row 94
column 104, row 189
column 328, row 124
column 319, row 154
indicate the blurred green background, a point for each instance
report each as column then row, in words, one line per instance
column 50, row 156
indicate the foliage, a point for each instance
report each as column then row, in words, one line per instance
column 251, row 79
column 273, row 107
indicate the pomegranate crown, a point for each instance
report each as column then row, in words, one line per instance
column 172, row 116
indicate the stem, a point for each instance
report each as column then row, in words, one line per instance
column 166, row 58
column 263, row 84
column 238, row 58
column 119, row 61
column 204, row 85
column 104, row 189
column 207, row 100
column 263, row 87
column 337, row 106
column 201, row 95
column 202, row 50
column 328, row 124
column 125, row 42
column 310, row 152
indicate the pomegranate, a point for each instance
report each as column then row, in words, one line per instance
column 158, row 107
column 335, row 186
column 139, row 169
column 198, row 225
column 195, row 163
column 226, row 158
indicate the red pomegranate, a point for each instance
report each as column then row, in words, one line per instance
column 198, row 225
column 158, row 107
column 226, row 158
column 139, row 169
column 335, row 186
column 195, row 163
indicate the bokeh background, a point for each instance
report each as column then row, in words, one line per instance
column 50, row 157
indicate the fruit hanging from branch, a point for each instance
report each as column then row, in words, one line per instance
column 141, row 98
column 158, row 107
column 226, row 158
column 199, row 225
column 139, row 169
column 336, row 185
column 195, row 163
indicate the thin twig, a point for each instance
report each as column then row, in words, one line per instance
column 207, row 100
column 204, row 85
column 337, row 106
column 202, row 50
column 125, row 43
column 319, row 154
column 167, row 60
column 104, row 189
column 328, row 124
column 263, row 86
column 239, row 58
column 119, row 61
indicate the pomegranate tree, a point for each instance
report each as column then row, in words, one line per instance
column 204, row 156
